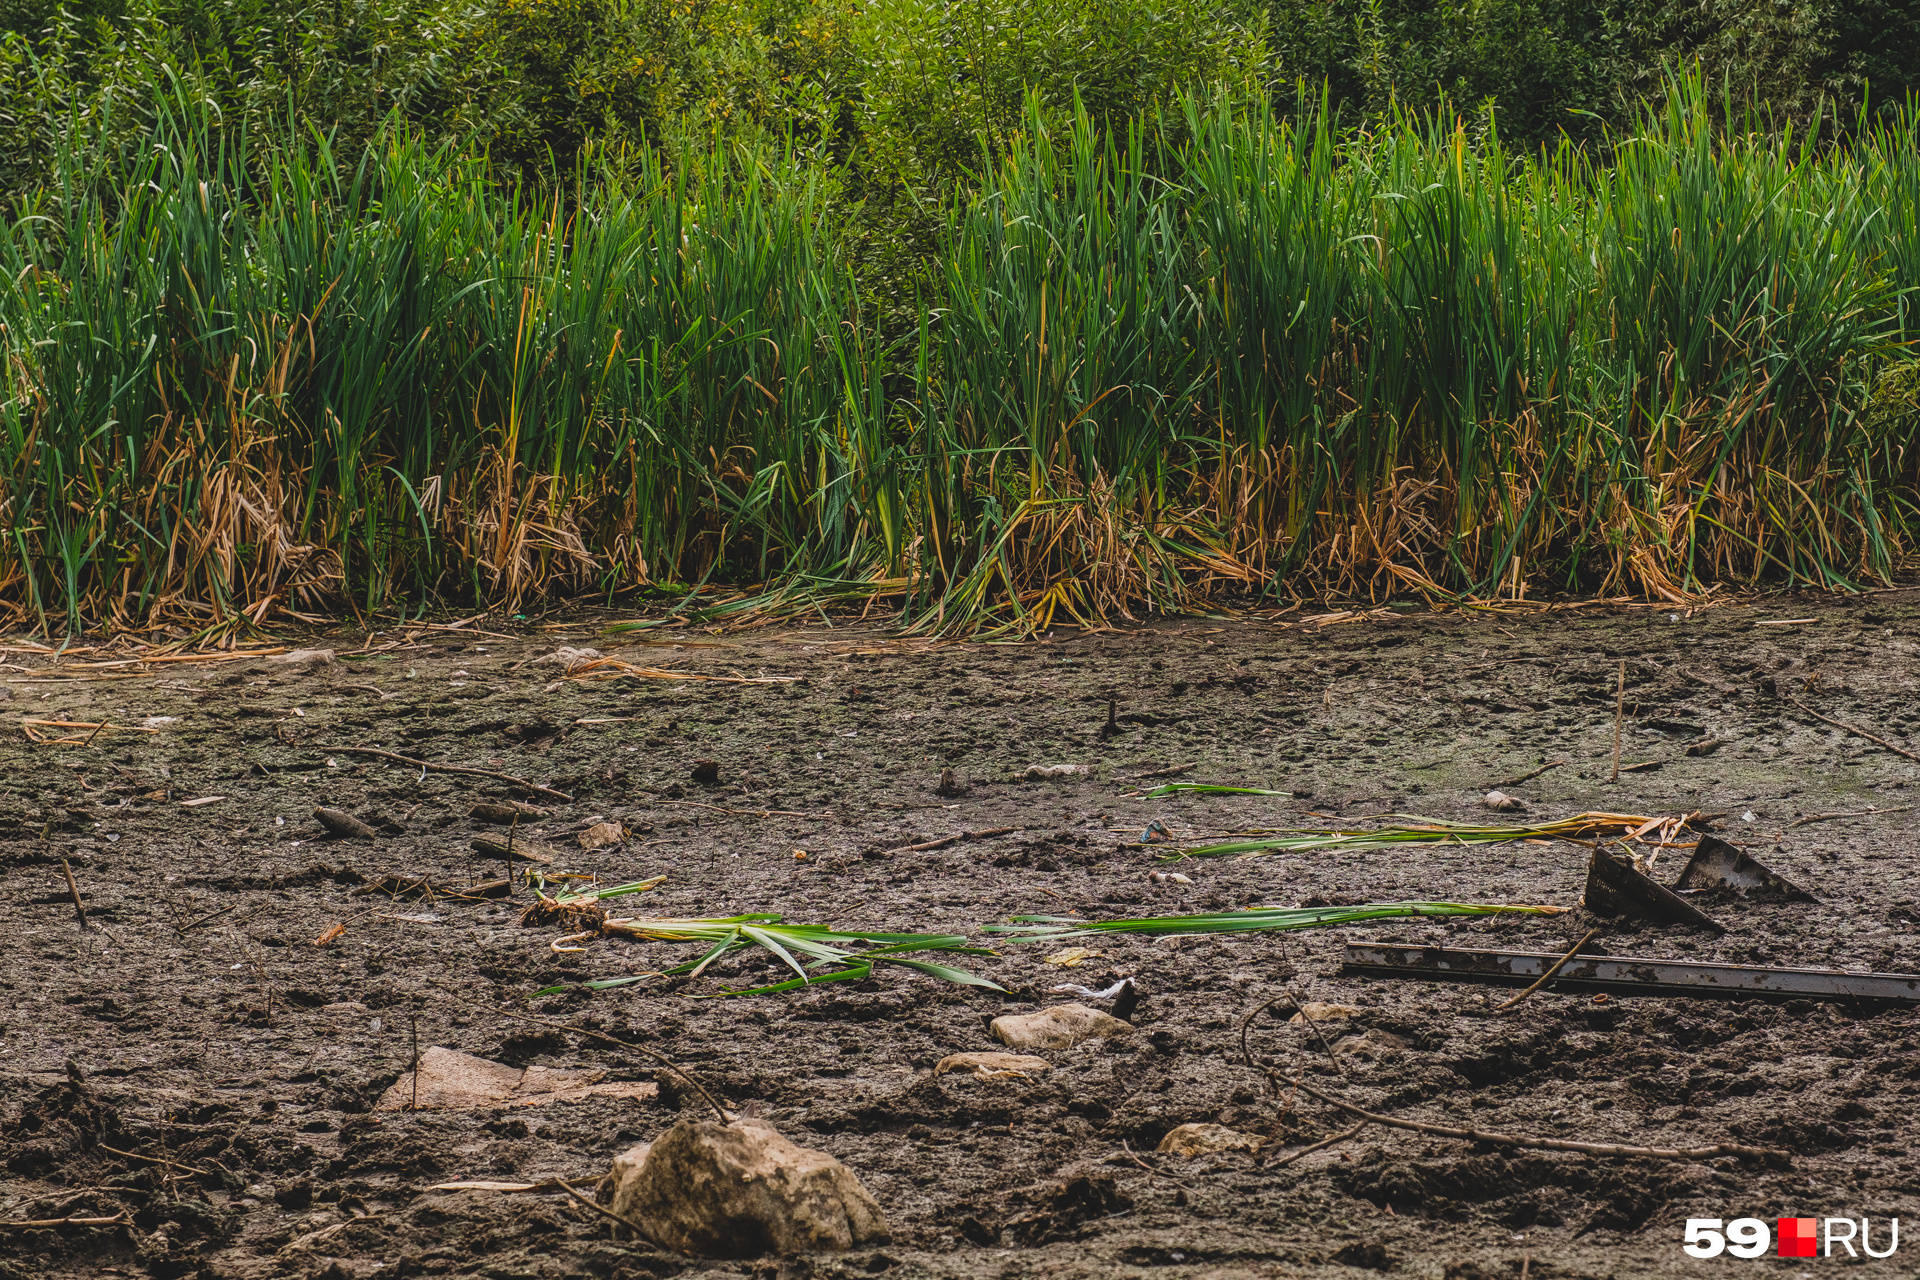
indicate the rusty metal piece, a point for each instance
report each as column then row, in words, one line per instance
column 1638, row 975
column 1615, row 887
column 1717, row 865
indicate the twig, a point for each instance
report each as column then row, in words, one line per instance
column 1172, row 771
column 1841, row 724
column 73, row 889
column 944, row 841
column 602, row 1210
column 1863, row 813
column 1779, row 1159
column 1299, row 1008
column 744, row 813
column 1546, row 977
column 1530, row 775
column 660, row 1058
column 171, row 1164
column 1321, row 1145
column 117, row 1220
column 534, row 787
column 1158, row 1173
column 200, row 920
column 1619, row 712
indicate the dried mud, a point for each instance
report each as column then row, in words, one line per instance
column 212, row 1033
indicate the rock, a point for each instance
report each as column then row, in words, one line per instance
column 1045, row 772
column 506, row 813
column 741, row 1191
column 571, row 660
column 453, row 1080
column 601, row 834
column 1191, row 1140
column 1501, row 800
column 1370, row 1046
column 1370, row 1255
column 1316, row 1011
column 991, row 1066
column 341, row 823
column 706, row 772
column 1060, row 1027
column 304, row 658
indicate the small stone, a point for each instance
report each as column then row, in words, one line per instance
column 304, row 658
column 571, row 660
column 1192, row 1140
column 991, row 1066
column 1370, row 1046
column 742, row 1191
column 1316, row 1011
column 1048, row 772
column 706, row 772
column 1060, row 1027
column 343, row 824
column 1501, row 800
column 601, row 834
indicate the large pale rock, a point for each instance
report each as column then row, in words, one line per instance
column 455, row 1080
column 1191, row 1140
column 740, row 1191
column 992, row 1066
column 1060, row 1027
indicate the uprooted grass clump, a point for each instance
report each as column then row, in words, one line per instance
column 814, row 953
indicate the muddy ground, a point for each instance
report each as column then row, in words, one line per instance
column 209, row 1031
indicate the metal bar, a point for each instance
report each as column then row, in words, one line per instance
column 1641, row 975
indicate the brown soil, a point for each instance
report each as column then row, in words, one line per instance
column 212, row 1033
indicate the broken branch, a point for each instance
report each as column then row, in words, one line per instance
column 534, row 787
column 1856, row 731
column 944, row 841
column 1547, row 977
column 1779, row 1159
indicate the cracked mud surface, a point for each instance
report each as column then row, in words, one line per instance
column 212, row 1033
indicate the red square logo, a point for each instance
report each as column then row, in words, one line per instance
column 1797, row 1237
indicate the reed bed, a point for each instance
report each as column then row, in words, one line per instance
column 245, row 377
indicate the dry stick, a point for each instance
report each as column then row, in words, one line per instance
column 1321, row 1145
column 200, row 920
column 1841, row 724
column 1299, row 1008
column 1619, row 711
column 534, row 787
column 120, row 1219
column 171, row 1164
column 944, row 841
column 602, row 1210
column 1531, row 775
column 72, row 888
column 1158, row 1173
column 1547, row 977
column 1862, row 813
column 1768, row 1155
column 744, row 813
column 660, row 1058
